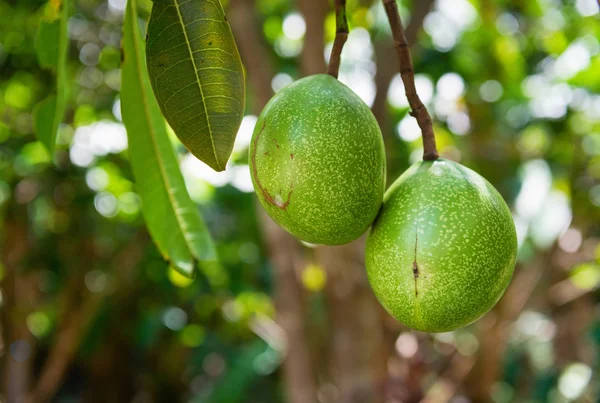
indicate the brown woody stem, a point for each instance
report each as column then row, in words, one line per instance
column 407, row 72
column 341, row 35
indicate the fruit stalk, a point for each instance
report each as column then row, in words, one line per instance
column 341, row 35
column 407, row 72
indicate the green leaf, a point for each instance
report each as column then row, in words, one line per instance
column 44, row 120
column 172, row 218
column 51, row 44
column 197, row 75
column 46, row 43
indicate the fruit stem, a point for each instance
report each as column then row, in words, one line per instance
column 341, row 35
column 407, row 72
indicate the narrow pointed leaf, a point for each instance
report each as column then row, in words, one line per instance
column 51, row 44
column 197, row 75
column 172, row 218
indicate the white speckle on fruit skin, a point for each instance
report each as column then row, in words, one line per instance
column 319, row 142
column 466, row 247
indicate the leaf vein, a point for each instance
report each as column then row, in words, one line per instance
column 199, row 84
column 222, row 96
column 178, row 91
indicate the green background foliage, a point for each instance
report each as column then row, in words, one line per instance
column 91, row 311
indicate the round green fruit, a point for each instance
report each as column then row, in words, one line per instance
column 443, row 248
column 317, row 161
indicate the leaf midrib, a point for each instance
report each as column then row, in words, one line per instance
column 189, row 48
column 164, row 176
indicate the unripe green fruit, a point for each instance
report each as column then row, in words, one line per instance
column 317, row 161
column 443, row 248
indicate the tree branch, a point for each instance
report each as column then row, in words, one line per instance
column 383, row 78
column 385, row 71
column 341, row 36
column 418, row 110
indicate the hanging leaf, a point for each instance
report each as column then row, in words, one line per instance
column 197, row 75
column 51, row 44
column 172, row 218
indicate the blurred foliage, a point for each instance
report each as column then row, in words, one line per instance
column 514, row 89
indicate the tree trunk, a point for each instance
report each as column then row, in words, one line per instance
column 313, row 52
column 358, row 348
column 19, row 298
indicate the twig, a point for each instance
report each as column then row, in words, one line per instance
column 385, row 70
column 383, row 77
column 407, row 72
column 341, row 36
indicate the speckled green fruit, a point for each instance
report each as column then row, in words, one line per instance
column 317, row 161
column 443, row 248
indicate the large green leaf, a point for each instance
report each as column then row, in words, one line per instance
column 52, row 44
column 197, row 75
column 172, row 218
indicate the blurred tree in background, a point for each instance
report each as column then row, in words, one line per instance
column 91, row 312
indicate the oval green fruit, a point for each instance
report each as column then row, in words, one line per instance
column 317, row 161
column 443, row 248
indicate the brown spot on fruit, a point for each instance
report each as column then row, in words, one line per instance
column 415, row 265
column 416, row 276
column 292, row 156
column 268, row 196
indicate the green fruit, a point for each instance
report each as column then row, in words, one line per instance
column 443, row 248
column 317, row 161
